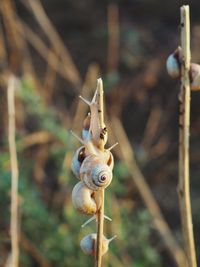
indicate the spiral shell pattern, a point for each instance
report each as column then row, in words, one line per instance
column 95, row 173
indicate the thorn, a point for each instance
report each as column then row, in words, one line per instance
column 88, row 221
column 110, row 148
column 85, row 100
column 77, row 137
column 93, row 218
column 94, row 99
column 112, row 238
column 107, row 218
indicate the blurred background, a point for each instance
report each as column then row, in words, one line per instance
column 58, row 49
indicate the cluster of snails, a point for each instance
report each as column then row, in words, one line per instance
column 173, row 65
column 93, row 167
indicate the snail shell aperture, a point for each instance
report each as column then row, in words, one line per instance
column 77, row 161
column 95, row 173
column 84, row 199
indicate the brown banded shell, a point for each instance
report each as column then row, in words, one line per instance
column 95, row 173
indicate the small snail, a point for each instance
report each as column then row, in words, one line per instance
column 86, row 135
column 95, row 173
column 195, row 76
column 84, row 199
column 77, row 160
column 94, row 131
column 173, row 64
column 88, row 244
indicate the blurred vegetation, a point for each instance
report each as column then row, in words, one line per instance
column 53, row 225
column 137, row 90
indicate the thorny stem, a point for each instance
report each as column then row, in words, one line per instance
column 100, row 214
column 15, row 174
column 184, row 120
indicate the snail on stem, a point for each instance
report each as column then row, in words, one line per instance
column 88, row 244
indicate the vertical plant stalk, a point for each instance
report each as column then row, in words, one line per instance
column 14, row 171
column 184, row 120
column 100, row 214
column 126, row 153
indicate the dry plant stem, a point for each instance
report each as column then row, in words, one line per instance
column 184, row 179
column 48, row 28
column 159, row 222
column 41, row 48
column 49, row 80
column 100, row 214
column 101, row 106
column 30, row 248
column 100, row 224
column 14, row 171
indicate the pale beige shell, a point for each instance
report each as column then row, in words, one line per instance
column 88, row 244
column 84, row 200
column 77, row 160
column 195, row 76
column 95, row 173
column 173, row 67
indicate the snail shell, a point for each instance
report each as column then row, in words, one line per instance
column 84, row 200
column 173, row 66
column 195, row 76
column 95, row 173
column 77, row 160
column 88, row 244
column 86, row 135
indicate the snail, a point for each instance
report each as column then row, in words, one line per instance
column 77, row 160
column 173, row 64
column 88, row 244
column 95, row 173
column 94, row 131
column 88, row 149
column 93, row 165
column 195, row 76
column 86, row 135
column 84, row 199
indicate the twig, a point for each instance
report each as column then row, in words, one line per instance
column 56, row 42
column 41, row 48
column 100, row 214
column 184, row 179
column 49, row 80
column 29, row 247
column 14, row 170
column 159, row 222
column 36, row 138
